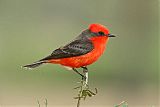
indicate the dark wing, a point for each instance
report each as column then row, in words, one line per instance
column 76, row 48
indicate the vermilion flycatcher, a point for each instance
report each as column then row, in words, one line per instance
column 82, row 51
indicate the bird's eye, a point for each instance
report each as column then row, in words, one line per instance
column 101, row 33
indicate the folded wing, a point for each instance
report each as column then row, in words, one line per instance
column 75, row 48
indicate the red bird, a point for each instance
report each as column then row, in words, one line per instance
column 81, row 52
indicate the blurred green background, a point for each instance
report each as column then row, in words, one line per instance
column 31, row 29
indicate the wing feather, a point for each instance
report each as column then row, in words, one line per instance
column 77, row 47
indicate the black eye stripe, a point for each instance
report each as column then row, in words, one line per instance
column 101, row 33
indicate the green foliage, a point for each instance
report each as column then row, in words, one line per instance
column 84, row 92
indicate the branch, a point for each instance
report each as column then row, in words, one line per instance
column 84, row 89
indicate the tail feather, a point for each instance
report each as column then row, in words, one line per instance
column 34, row 65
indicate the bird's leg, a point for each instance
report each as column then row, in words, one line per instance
column 85, row 69
column 83, row 77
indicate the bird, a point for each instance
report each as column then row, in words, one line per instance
column 82, row 51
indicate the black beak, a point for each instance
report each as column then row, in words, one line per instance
column 111, row 35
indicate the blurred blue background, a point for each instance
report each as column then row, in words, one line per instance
column 31, row 29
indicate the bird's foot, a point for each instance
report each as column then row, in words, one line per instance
column 85, row 69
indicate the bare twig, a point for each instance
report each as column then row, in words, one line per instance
column 122, row 104
column 84, row 89
column 46, row 102
column 38, row 103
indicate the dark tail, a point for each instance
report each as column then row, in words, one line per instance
column 34, row 65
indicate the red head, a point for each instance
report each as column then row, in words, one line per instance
column 100, row 30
